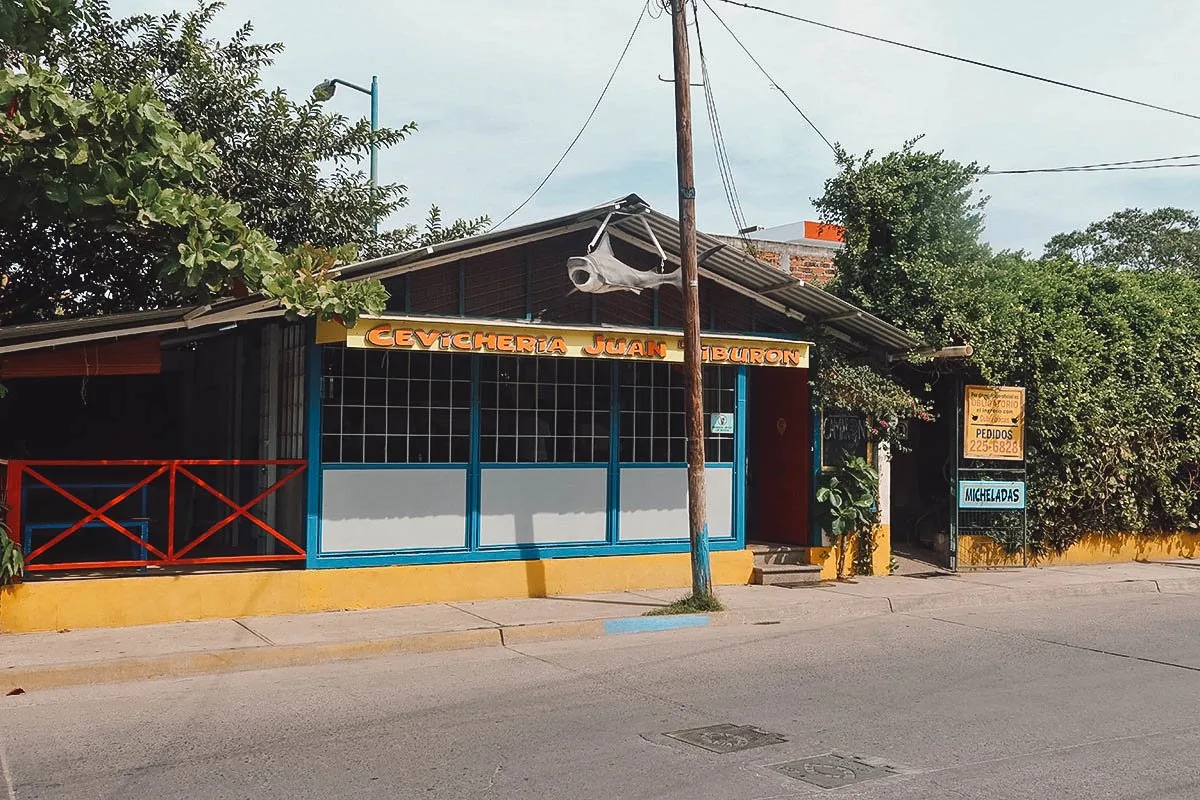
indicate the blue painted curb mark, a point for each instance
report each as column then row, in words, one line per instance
column 647, row 624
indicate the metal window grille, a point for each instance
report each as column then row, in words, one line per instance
column 536, row 410
column 395, row 407
column 653, row 421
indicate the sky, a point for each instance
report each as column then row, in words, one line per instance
column 499, row 88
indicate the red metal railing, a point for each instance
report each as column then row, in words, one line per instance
column 179, row 546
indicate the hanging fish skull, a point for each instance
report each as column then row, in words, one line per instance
column 600, row 271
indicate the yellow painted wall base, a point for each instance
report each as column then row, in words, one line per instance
column 881, row 559
column 114, row 602
column 1107, row 548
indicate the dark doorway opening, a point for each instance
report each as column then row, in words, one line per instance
column 922, row 489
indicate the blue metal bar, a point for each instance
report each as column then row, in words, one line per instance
column 312, row 449
column 740, row 422
column 673, row 464
column 614, row 451
column 474, row 473
column 516, row 553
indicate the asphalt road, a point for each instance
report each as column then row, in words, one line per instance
column 1094, row 698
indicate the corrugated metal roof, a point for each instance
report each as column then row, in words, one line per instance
column 34, row 331
column 61, row 332
column 773, row 286
column 719, row 261
column 398, row 263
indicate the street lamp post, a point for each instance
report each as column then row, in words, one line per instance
column 324, row 90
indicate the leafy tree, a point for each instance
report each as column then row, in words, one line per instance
column 1104, row 333
column 1110, row 361
column 27, row 25
column 912, row 221
column 1164, row 239
column 152, row 166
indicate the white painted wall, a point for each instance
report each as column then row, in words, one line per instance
column 883, row 462
column 543, row 506
column 654, row 503
column 381, row 510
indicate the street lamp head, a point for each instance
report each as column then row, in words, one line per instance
column 324, row 90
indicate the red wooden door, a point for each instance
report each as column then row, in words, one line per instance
column 780, row 455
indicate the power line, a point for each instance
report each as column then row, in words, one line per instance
column 714, row 123
column 586, row 122
column 1096, row 167
column 767, row 75
column 964, row 60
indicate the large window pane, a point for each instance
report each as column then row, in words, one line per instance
column 653, row 413
column 544, row 410
column 395, row 407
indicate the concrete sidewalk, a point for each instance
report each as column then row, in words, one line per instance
column 45, row 660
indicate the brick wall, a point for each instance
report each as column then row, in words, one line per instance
column 815, row 269
column 811, row 262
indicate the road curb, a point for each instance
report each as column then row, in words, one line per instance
column 997, row 596
column 184, row 665
column 267, row 656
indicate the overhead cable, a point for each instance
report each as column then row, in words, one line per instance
column 714, row 124
column 1096, row 169
column 641, row 14
column 964, row 60
column 767, row 75
column 1104, row 166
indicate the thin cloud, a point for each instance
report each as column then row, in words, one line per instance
column 499, row 88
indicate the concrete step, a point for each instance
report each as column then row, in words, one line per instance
column 789, row 575
column 778, row 554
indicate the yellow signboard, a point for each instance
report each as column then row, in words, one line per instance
column 467, row 336
column 994, row 418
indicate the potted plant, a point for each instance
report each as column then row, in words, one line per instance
column 12, row 565
column 848, row 501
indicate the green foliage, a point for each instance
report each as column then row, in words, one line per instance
column 692, row 604
column 293, row 167
column 12, row 564
column 910, row 218
column 412, row 237
column 843, row 383
column 1104, row 333
column 150, row 166
column 1166, row 239
column 848, row 499
column 118, row 160
column 27, row 25
column 1111, row 362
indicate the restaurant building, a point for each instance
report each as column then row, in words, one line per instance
column 512, row 425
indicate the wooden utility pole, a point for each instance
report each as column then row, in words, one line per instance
column 697, row 503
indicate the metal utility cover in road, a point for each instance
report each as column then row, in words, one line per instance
column 991, row 495
column 994, row 423
column 832, row 771
column 727, row 738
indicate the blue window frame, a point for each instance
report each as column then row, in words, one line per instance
column 377, row 410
